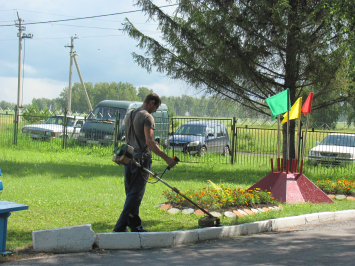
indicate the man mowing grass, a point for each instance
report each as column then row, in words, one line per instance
column 140, row 128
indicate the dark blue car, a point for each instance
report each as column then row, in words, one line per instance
column 199, row 137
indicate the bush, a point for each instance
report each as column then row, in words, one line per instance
column 219, row 197
column 32, row 114
column 342, row 186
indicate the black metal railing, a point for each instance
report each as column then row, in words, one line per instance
column 192, row 139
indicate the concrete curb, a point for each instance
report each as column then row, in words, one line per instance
column 176, row 238
column 81, row 238
column 64, row 240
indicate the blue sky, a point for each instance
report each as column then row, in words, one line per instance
column 104, row 51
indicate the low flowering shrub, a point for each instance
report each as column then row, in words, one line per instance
column 342, row 186
column 219, row 197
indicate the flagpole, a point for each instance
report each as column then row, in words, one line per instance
column 298, row 137
column 288, row 137
column 278, row 136
column 305, row 137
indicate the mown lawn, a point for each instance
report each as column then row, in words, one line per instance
column 74, row 187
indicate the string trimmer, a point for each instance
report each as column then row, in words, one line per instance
column 124, row 155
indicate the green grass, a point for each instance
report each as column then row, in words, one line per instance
column 67, row 187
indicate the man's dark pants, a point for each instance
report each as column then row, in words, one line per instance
column 135, row 182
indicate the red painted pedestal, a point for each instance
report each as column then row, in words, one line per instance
column 290, row 187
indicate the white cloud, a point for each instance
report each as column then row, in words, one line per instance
column 32, row 88
column 105, row 51
column 9, row 66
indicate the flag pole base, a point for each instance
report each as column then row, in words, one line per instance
column 291, row 187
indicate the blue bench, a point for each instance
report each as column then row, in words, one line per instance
column 6, row 207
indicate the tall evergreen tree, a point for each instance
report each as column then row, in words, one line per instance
column 250, row 50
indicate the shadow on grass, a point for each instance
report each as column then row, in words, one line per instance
column 60, row 170
column 182, row 172
column 107, row 227
column 18, row 238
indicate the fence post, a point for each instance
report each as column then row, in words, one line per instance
column 172, row 130
column 300, row 136
column 16, row 125
column 233, row 139
column 115, row 135
column 65, row 130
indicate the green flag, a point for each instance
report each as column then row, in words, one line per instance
column 279, row 103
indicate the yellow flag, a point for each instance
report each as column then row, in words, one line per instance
column 295, row 111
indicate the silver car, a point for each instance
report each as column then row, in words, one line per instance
column 335, row 149
column 53, row 128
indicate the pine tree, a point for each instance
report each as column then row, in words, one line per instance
column 248, row 51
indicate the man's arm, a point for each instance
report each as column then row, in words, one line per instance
column 149, row 137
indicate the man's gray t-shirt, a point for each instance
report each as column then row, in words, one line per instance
column 141, row 118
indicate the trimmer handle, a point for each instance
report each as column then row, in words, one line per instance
column 176, row 159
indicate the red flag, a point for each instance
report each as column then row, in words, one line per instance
column 307, row 106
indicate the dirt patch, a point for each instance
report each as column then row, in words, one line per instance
column 22, row 254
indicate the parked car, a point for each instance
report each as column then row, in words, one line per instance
column 99, row 128
column 199, row 137
column 53, row 127
column 336, row 148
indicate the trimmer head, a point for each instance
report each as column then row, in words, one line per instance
column 208, row 221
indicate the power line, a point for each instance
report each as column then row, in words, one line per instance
column 62, row 16
column 78, row 26
column 91, row 17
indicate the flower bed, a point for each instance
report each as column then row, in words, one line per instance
column 342, row 186
column 219, row 197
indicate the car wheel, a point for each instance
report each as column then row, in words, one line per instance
column 202, row 151
column 226, row 151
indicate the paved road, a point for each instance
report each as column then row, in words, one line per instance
column 331, row 243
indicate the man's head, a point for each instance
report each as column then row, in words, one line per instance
column 152, row 102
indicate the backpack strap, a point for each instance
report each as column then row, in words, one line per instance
column 132, row 128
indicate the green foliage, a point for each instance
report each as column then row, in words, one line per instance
column 215, row 106
column 250, row 50
column 143, row 92
column 46, row 104
column 97, row 93
column 6, row 105
column 341, row 186
column 171, row 112
column 326, row 118
column 220, row 198
column 33, row 114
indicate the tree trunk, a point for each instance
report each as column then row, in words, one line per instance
column 291, row 77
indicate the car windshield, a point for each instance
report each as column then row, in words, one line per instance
column 107, row 113
column 191, row 130
column 58, row 120
column 339, row 140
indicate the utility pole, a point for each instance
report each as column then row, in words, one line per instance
column 71, row 69
column 72, row 56
column 82, row 83
column 20, row 37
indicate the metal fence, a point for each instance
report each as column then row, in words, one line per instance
column 194, row 140
column 324, row 151
column 61, row 130
column 255, row 145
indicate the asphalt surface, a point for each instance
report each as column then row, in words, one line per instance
column 330, row 243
